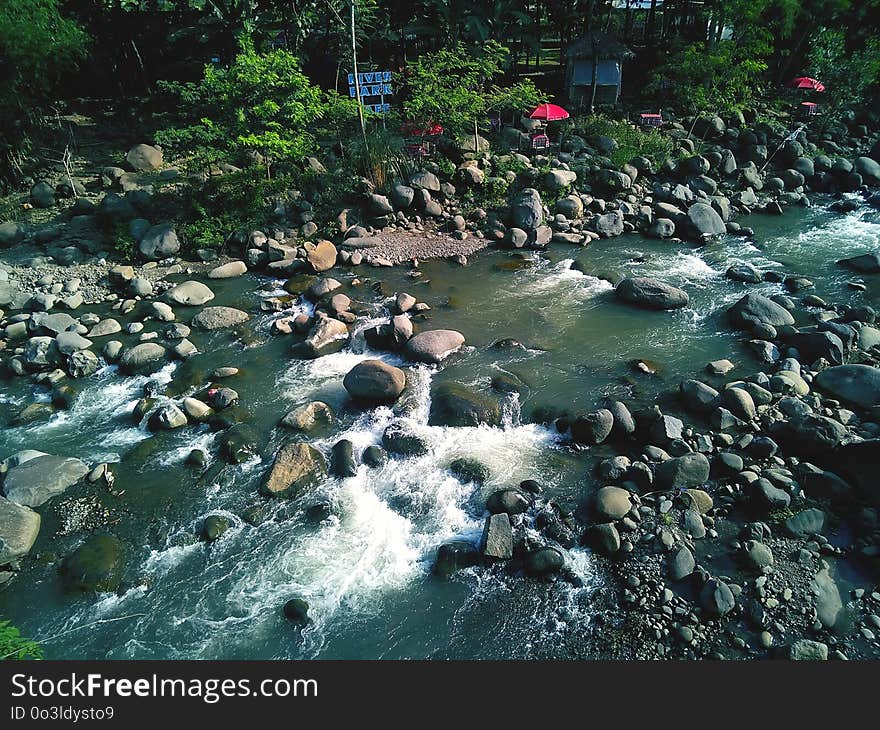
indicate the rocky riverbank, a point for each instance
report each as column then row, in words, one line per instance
column 713, row 511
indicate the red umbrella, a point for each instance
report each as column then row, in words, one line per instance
column 550, row 112
column 805, row 82
column 432, row 129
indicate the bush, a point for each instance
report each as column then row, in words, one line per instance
column 263, row 103
column 14, row 646
column 631, row 141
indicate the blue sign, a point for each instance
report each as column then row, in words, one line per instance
column 370, row 77
column 372, row 84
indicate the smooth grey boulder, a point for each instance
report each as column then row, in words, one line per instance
column 159, row 241
column 215, row 318
column 190, row 293
column 527, row 211
column 145, row 357
column 755, row 309
column 36, row 481
column 651, row 293
column 374, row 382
column 19, row 527
column 858, row 385
column 683, row 472
column 433, row 346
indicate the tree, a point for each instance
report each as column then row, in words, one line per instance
column 847, row 74
column 15, row 646
column 262, row 103
column 37, row 45
column 455, row 86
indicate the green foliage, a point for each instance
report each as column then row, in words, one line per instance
column 631, row 141
column 263, row 103
column 453, row 86
column 37, row 44
column 15, row 646
column 847, row 74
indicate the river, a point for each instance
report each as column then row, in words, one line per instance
column 366, row 571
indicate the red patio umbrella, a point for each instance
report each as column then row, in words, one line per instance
column 548, row 112
column 805, row 82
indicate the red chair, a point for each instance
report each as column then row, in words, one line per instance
column 648, row 119
column 539, row 141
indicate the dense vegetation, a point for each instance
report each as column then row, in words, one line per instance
column 254, row 88
column 15, row 646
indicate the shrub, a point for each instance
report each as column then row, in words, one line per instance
column 15, row 646
column 631, row 141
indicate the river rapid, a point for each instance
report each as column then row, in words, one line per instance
column 366, row 570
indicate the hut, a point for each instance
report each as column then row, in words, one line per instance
column 594, row 70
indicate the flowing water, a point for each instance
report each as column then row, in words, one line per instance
column 365, row 571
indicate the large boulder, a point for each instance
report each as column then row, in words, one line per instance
column 682, row 472
column 754, row 309
column 19, row 527
column 609, row 225
column 453, row 404
column 321, row 256
column 36, row 481
column 296, row 467
column 866, row 263
column 11, row 234
column 705, row 221
column 556, row 180
column 809, row 434
column 190, row 293
column 143, row 358
column 527, row 211
column 651, row 293
column 215, row 318
column 329, row 335
column 374, row 382
column 613, row 503
column 433, row 346
column 593, row 428
column 144, row 158
column 159, row 241
column 869, row 170
column 94, row 566
column 401, row 440
column 858, row 385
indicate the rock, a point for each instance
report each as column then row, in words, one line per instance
column 308, row 416
column 190, row 293
column 613, row 503
column 705, row 221
column 228, row 270
column 543, row 561
column 697, row 396
column 454, row 556
column 809, row 434
column 827, row 598
column 399, row 439
column 758, row 555
column 815, row 345
column 296, row 610
column 651, row 293
column 771, row 497
column 426, row 181
column 810, row 521
column 296, row 467
column 35, row 481
column 869, row 170
column 603, row 538
column 681, row 564
column 508, row 501
column 144, row 158
column 42, row 195
column 497, row 537
column 858, row 385
column 11, row 234
column 716, row 598
column 593, row 428
column 322, row 256
column 700, row 500
column 19, row 527
column 739, row 402
column 755, row 309
column 214, row 527
column 609, row 225
column 94, row 566
column 145, row 357
column 453, row 404
column 404, row 302
column 238, row 443
column 555, row 180
column 167, row 418
column 808, row 650
column 571, row 206
column 402, row 195
column 373, row 382
column 327, row 336
column 215, row 318
column 624, row 423
column 866, row 263
column 374, row 456
column 433, row 346
column 527, row 210
column 159, row 241
column 662, row 228
column 683, row 472
column 196, row 410
column 69, row 342
column 342, row 462
column 745, row 272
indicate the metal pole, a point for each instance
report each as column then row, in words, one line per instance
column 357, row 83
